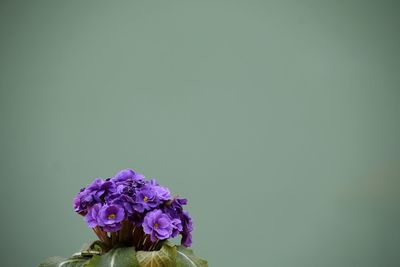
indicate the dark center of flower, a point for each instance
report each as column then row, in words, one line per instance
column 156, row 225
column 111, row 216
column 145, row 199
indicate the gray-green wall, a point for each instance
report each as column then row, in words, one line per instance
column 279, row 120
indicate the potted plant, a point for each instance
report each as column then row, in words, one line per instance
column 134, row 219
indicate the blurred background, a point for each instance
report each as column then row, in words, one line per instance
column 279, row 120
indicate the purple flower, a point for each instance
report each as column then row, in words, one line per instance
column 187, row 224
column 162, row 193
column 111, row 214
column 94, row 193
column 96, row 190
column 187, row 221
column 186, row 239
column 107, row 216
column 181, row 220
column 174, row 207
column 146, row 199
column 92, row 216
column 158, row 225
column 176, row 227
column 126, row 182
column 124, row 201
column 79, row 206
column 126, row 175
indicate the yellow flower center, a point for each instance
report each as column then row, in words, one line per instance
column 145, row 199
column 111, row 216
column 156, row 225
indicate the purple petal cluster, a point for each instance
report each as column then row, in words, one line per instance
column 129, row 197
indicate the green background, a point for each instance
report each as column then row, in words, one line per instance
column 279, row 120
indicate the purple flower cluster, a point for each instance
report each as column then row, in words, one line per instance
column 129, row 197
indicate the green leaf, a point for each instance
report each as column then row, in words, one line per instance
column 165, row 257
column 186, row 258
column 98, row 246
column 62, row 262
column 117, row 257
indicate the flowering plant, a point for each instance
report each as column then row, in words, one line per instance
column 133, row 218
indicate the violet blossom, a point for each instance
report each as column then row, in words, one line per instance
column 127, row 198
